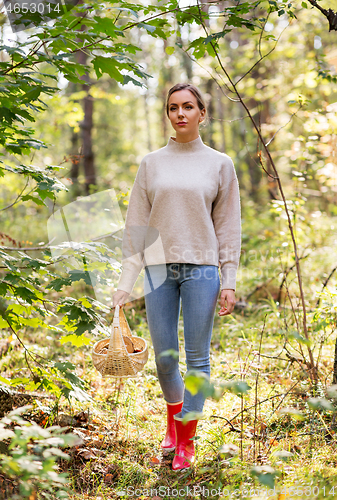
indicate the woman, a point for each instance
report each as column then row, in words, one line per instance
column 185, row 201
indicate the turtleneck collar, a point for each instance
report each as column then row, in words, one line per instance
column 185, row 147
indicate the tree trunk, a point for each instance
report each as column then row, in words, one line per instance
column 88, row 155
column 166, row 80
column 334, row 379
column 74, row 149
column 209, row 90
column 86, row 129
column 147, row 118
column 81, row 143
column 185, row 59
column 221, row 115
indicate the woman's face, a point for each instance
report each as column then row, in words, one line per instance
column 184, row 113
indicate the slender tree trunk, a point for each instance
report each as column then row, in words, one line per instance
column 166, row 81
column 147, row 118
column 209, row 90
column 186, row 61
column 88, row 155
column 75, row 147
column 334, row 379
column 221, row 115
column 272, row 185
column 82, row 154
column 86, row 129
column 75, row 163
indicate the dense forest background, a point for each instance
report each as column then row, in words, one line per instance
column 82, row 101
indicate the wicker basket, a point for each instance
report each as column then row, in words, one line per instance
column 116, row 361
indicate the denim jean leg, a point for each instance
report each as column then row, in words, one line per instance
column 162, row 311
column 199, row 293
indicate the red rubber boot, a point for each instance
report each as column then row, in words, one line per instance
column 169, row 442
column 184, row 454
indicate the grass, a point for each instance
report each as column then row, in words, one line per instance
column 131, row 418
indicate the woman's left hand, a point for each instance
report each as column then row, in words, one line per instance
column 227, row 298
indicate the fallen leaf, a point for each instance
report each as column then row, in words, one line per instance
column 80, row 434
column 82, row 416
column 87, row 454
column 108, row 478
column 154, row 461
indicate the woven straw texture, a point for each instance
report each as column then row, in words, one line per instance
column 116, row 361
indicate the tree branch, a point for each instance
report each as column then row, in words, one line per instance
column 329, row 14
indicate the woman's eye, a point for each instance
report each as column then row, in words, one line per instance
column 187, row 107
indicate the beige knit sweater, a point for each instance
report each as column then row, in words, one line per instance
column 184, row 207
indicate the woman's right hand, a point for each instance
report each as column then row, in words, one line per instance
column 119, row 298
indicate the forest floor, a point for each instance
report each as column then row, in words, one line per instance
column 296, row 447
column 276, row 434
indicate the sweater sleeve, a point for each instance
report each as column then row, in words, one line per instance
column 226, row 215
column 134, row 235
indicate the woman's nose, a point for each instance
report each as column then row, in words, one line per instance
column 180, row 112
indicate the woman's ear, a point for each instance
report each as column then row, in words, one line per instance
column 202, row 117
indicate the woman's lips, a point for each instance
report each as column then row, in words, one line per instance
column 182, row 123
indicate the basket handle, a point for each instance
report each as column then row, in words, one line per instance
column 116, row 316
column 116, row 342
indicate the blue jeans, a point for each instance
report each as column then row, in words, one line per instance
column 197, row 288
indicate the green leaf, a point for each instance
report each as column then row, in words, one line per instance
column 283, row 454
column 296, row 335
column 238, row 387
column 3, row 290
column 265, row 475
column 33, row 198
column 304, row 5
column 128, row 78
column 229, row 450
column 84, row 326
column 169, row 352
column 210, row 49
column 74, row 275
column 198, row 46
column 105, row 25
column 4, row 380
column 320, row 404
column 216, row 36
column 148, row 27
column 192, row 415
column 293, row 412
column 107, row 65
column 25, row 294
column 3, row 323
column 197, row 381
column 332, row 391
column 58, row 283
column 169, row 50
column 124, row 9
column 76, row 340
column 85, row 302
column 32, row 94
